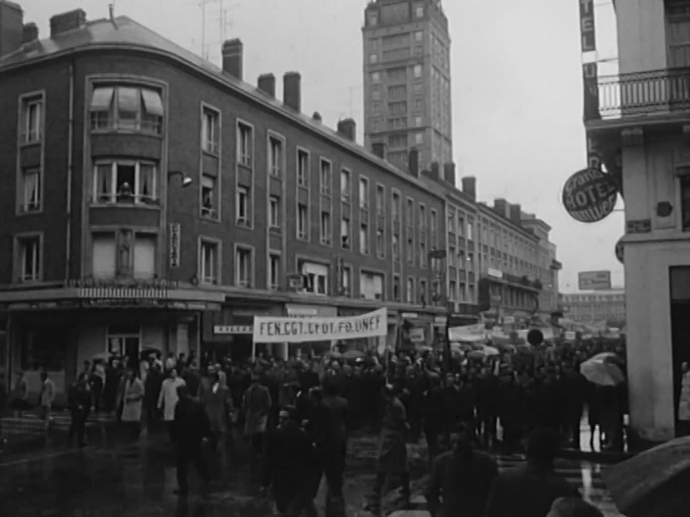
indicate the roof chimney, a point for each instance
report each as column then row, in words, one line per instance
column 267, row 84
column 348, row 128
column 30, row 33
column 68, row 21
column 413, row 162
column 516, row 213
column 232, row 58
column 449, row 173
column 292, row 90
column 469, row 187
column 379, row 149
column 435, row 171
column 501, row 206
column 317, row 116
column 11, row 27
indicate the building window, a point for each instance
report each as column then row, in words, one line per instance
column 32, row 120
column 210, row 131
column 417, row 89
column 209, row 262
column 30, row 190
column 275, row 156
column 397, row 108
column 123, row 254
column 409, row 212
column 397, row 74
column 302, row 168
column 409, row 291
column 347, row 281
column 419, row 138
column 125, row 182
column 364, row 239
column 376, row 94
column 316, row 276
column 326, row 177
column 373, row 19
column 274, row 272
column 419, row 50
column 422, row 218
column 423, row 295
column 380, row 200
column 209, row 197
column 144, row 263
column 410, row 250
column 326, row 228
column 418, row 36
column 243, row 207
column 245, row 144
column 380, row 244
column 419, row 12
column 376, row 77
column 397, row 141
column 373, row 58
column 418, row 121
column 371, row 286
column 395, row 207
column 377, row 125
column 345, row 233
column 274, row 211
column 243, row 267
column 302, row 222
column 418, row 105
column 345, row 184
column 422, row 255
column 470, row 226
column 126, row 108
column 29, row 258
column 363, row 193
column 453, row 290
column 396, row 248
column 418, row 71
column 397, row 92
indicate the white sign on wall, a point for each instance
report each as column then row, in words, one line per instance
column 594, row 280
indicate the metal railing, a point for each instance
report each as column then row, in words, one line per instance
column 640, row 93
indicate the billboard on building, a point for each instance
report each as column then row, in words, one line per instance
column 594, row 280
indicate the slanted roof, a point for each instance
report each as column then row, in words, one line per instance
column 123, row 31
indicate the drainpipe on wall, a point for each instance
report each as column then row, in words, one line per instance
column 70, row 171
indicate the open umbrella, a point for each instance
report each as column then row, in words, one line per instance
column 601, row 370
column 653, row 483
column 353, row 354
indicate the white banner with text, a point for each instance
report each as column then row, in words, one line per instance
column 269, row 329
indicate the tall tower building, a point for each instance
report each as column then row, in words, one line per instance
column 407, row 80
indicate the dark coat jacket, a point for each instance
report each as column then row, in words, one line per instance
column 527, row 491
column 290, row 456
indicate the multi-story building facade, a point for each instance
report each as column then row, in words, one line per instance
column 638, row 122
column 596, row 307
column 407, row 100
column 154, row 200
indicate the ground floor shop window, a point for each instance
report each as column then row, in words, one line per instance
column 43, row 349
column 124, row 340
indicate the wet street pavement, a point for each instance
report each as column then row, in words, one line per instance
column 138, row 480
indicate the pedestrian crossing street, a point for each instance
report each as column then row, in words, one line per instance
column 586, row 476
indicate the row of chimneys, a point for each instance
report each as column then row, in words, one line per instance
column 14, row 33
column 508, row 210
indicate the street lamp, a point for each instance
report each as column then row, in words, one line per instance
column 186, row 180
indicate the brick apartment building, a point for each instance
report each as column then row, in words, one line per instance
column 154, row 200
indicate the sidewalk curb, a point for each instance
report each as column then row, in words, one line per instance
column 606, row 458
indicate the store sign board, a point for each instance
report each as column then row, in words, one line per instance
column 590, row 195
column 269, row 329
column 175, row 238
column 233, row 329
column 594, row 280
column 84, row 283
column 638, row 226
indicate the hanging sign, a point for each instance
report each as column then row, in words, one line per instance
column 268, row 329
column 175, row 245
column 590, row 195
column 619, row 250
column 587, row 32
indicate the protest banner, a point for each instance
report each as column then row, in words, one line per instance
column 268, row 329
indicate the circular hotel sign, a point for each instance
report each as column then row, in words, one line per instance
column 590, row 195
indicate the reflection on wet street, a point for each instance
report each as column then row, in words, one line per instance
column 139, row 480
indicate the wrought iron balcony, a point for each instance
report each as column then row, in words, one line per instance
column 655, row 92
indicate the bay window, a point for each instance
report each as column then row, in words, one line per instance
column 123, row 254
column 125, row 182
column 126, row 108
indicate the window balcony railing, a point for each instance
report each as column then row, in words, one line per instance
column 640, row 93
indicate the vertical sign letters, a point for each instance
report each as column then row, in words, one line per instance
column 589, row 43
column 174, row 245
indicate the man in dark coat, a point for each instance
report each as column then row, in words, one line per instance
column 574, row 394
column 461, row 478
column 334, row 427
column 530, row 489
column 192, row 427
column 80, row 402
column 290, row 457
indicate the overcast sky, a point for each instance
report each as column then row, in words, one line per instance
column 517, row 87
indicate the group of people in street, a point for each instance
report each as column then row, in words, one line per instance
column 298, row 415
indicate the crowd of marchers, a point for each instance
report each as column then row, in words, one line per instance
column 298, row 414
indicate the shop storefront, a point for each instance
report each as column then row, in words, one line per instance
column 58, row 330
